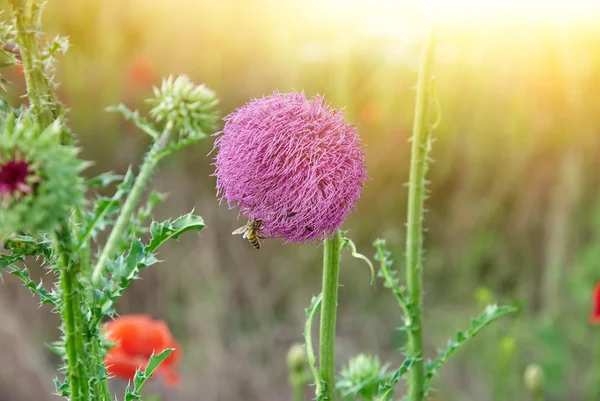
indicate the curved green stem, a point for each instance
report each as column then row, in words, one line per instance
column 131, row 202
column 331, row 271
column 315, row 306
column 414, row 239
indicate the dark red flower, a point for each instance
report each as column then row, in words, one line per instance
column 13, row 177
column 16, row 178
column 595, row 315
column 137, row 337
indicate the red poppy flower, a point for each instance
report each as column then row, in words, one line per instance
column 370, row 114
column 141, row 73
column 137, row 337
column 595, row 315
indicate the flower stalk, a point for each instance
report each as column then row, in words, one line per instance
column 331, row 271
column 414, row 239
column 43, row 101
column 45, row 109
column 70, row 308
column 131, row 202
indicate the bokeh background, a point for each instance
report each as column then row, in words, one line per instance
column 513, row 216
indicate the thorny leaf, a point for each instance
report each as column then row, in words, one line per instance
column 491, row 313
column 141, row 376
column 168, row 229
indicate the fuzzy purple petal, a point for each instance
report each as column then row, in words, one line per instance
column 292, row 163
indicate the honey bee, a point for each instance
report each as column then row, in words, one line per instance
column 251, row 231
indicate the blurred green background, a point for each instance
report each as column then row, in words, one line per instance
column 513, row 216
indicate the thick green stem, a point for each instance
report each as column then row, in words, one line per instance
column 71, row 314
column 331, row 271
column 131, row 203
column 46, row 108
column 414, row 239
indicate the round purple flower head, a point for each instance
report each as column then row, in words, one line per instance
column 292, row 164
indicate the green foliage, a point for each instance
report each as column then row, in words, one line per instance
column 104, row 180
column 161, row 232
column 141, row 376
column 20, row 247
column 389, row 275
column 26, row 245
column 49, row 203
column 46, row 297
column 391, row 281
column 127, row 266
column 387, row 389
column 136, row 118
column 104, row 209
column 490, row 314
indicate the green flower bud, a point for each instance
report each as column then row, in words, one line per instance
column 362, row 377
column 39, row 178
column 534, row 378
column 296, row 358
column 189, row 108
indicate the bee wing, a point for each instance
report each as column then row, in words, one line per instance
column 240, row 230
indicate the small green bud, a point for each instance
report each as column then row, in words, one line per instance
column 188, row 107
column 362, row 377
column 534, row 378
column 296, row 358
column 39, row 177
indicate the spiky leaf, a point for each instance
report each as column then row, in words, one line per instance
column 134, row 117
column 141, row 376
column 168, row 229
column 490, row 314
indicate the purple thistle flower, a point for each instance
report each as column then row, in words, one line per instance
column 292, row 164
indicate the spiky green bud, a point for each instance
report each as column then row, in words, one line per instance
column 188, row 107
column 39, row 178
column 362, row 377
